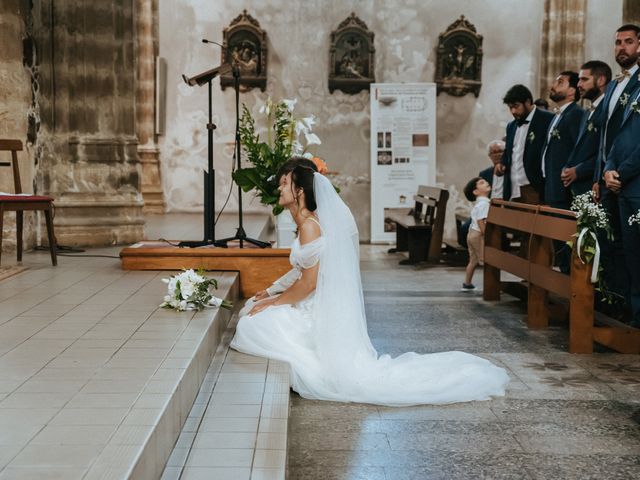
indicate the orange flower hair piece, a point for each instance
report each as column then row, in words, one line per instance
column 320, row 165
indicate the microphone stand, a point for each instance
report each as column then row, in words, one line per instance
column 209, row 175
column 240, row 235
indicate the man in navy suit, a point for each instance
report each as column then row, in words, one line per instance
column 616, row 98
column 577, row 173
column 622, row 177
column 561, row 138
column 521, row 162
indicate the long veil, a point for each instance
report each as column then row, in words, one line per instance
column 349, row 364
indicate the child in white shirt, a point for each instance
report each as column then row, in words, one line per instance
column 478, row 190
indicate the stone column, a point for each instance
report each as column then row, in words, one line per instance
column 563, row 38
column 148, row 151
column 88, row 145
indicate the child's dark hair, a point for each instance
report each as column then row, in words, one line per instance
column 470, row 187
column 302, row 177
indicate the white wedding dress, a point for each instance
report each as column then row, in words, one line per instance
column 324, row 338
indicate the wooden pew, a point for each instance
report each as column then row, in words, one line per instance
column 419, row 231
column 542, row 225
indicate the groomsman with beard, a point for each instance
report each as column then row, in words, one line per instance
column 616, row 98
column 622, row 177
column 577, row 173
column 560, row 140
column 521, row 161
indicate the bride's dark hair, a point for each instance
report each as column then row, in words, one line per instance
column 288, row 166
column 302, row 177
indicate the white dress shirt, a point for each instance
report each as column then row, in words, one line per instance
column 595, row 104
column 497, row 186
column 619, row 89
column 518, row 174
column 554, row 122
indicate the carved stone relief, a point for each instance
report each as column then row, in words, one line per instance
column 245, row 43
column 352, row 57
column 459, row 67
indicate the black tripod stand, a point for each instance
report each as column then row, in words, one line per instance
column 240, row 235
column 209, row 175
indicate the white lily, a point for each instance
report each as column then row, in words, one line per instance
column 312, row 139
column 290, row 103
column 296, row 147
column 308, row 155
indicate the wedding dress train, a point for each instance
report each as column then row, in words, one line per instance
column 324, row 338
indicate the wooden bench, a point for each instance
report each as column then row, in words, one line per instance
column 542, row 225
column 419, row 230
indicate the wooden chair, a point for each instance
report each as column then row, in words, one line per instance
column 19, row 203
column 419, row 231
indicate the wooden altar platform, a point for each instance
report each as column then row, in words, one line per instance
column 258, row 267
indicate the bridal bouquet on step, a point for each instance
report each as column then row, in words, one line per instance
column 191, row 290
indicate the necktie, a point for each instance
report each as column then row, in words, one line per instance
column 622, row 75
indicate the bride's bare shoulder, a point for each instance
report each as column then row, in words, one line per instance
column 309, row 231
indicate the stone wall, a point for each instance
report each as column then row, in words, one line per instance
column 406, row 39
column 87, row 142
column 17, row 115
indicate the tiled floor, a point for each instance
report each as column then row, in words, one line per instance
column 564, row 416
column 237, row 428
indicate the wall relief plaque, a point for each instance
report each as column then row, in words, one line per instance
column 459, row 58
column 246, row 44
column 351, row 57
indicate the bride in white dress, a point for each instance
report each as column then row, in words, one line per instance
column 318, row 324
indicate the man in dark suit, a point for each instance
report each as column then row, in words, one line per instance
column 615, row 100
column 521, row 162
column 577, row 173
column 622, row 177
column 495, row 150
column 561, row 138
column 559, row 142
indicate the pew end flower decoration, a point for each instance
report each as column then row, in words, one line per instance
column 591, row 220
column 267, row 149
column 191, row 290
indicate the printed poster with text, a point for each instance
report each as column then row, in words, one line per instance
column 403, row 149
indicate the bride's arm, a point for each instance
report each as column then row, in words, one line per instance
column 302, row 287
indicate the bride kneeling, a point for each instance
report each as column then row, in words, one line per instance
column 317, row 324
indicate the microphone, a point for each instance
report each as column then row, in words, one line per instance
column 204, row 40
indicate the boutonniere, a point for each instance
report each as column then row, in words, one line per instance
column 624, row 98
column 635, row 107
column 591, row 127
column 531, row 137
column 555, row 133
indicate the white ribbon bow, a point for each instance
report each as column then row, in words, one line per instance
column 596, row 257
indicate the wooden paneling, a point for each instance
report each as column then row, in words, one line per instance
column 258, row 268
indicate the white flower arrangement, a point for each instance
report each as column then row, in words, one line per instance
column 191, row 290
column 590, row 214
column 624, row 98
column 634, row 219
column 592, row 218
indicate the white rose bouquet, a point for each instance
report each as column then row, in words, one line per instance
column 191, row 290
